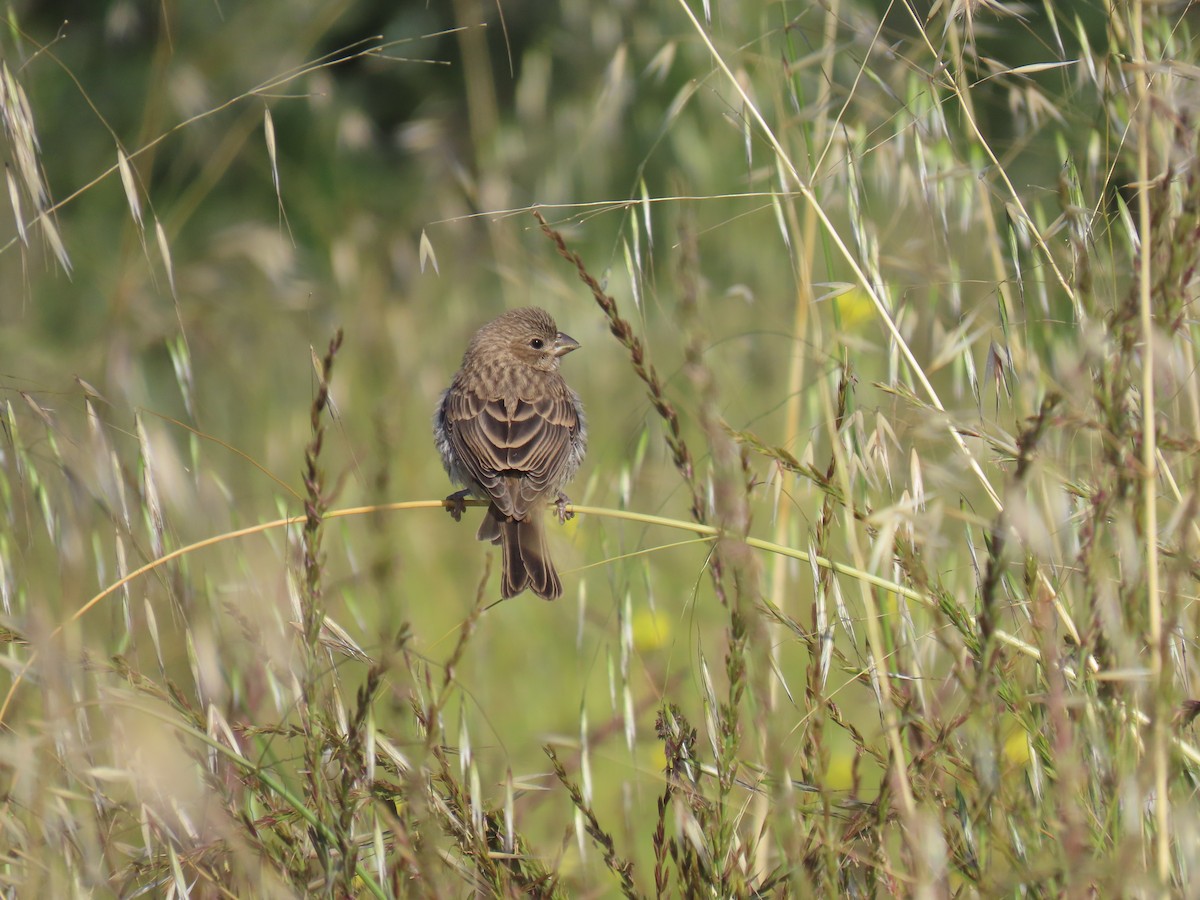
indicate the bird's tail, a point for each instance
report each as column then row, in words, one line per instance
column 524, row 554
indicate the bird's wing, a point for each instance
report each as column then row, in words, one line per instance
column 516, row 450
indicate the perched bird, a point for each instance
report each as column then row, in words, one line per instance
column 510, row 429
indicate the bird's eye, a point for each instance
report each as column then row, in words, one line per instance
column 537, row 343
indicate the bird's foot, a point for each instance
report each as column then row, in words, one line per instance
column 457, row 504
column 560, row 507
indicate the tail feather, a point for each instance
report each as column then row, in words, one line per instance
column 524, row 554
column 489, row 528
column 535, row 556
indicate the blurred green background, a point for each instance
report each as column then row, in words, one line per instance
column 425, row 130
column 297, row 155
column 389, row 121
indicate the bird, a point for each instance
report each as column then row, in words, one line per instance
column 513, row 433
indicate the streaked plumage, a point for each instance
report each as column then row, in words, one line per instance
column 511, row 431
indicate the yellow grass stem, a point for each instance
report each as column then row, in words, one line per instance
column 1159, row 683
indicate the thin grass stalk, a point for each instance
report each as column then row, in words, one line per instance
column 731, row 510
column 642, row 367
column 960, row 87
column 802, row 242
column 314, row 662
column 1160, row 684
column 620, row 867
column 897, row 765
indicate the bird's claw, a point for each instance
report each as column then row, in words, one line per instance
column 560, row 507
column 457, row 504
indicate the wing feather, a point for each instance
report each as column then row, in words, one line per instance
column 516, row 450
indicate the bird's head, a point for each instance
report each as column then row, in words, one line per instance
column 526, row 336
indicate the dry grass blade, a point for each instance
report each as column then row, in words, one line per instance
column 130, row 188
column 164, row 249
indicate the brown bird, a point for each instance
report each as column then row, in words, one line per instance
column 510, row 429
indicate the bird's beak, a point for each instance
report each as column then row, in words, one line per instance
column 564, row 344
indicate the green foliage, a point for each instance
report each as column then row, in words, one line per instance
column 890, row 315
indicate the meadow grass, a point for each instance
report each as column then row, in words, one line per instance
column 882, row 574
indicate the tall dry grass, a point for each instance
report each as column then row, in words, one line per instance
column 882, row 580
